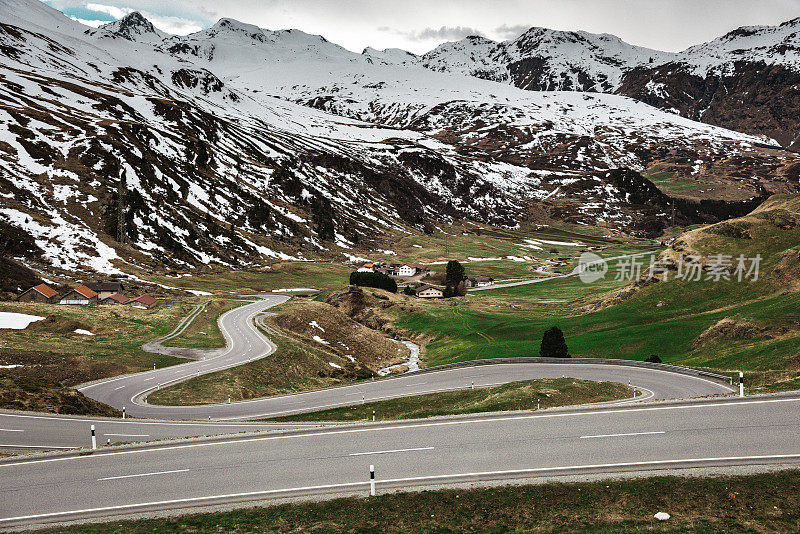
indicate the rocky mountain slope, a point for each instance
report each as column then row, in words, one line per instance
column 746, row 80
column 236, row 146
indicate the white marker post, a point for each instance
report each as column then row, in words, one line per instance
column 108, row 442
column 123, row 412
column 373, row 416
column 741, row 384
column 94, row 439
column 363, row 399
column 472, row 385
column 229, row 399
column 372, row 480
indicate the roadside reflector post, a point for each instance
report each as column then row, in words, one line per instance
column 94, row 439
column 363, row 399
column 229, row 399
column 472, row 384
column 123, row 412
column 741, row 384
column 108, row 442
column 154, row 367
column 373, row 416
column 372, row 480
column 537, row 404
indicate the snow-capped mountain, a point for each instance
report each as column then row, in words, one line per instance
column 134, row 27
column 545, row 60
column 746, row 80
column 123, row 148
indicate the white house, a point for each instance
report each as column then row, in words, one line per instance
column 482, row 281
column 406, row 270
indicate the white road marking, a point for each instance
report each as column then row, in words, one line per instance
column 10, row 430
column 404, row 427
column 391, row 451
column 146, row 379
column 34, row 447
column 117, row 389
column 144, row 474
column 622, row 435
column 518, row 472
column 129, row 435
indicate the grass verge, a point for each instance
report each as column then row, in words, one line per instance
column 203, row 332
column 768, row 502
column 524, row 395
column 292, row 368
column 40, row 395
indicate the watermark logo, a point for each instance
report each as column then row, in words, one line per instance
column 591, row 267
column 689, row 268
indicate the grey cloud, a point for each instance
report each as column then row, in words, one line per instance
column 510, row 32
column 443, row 33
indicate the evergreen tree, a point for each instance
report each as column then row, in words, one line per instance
column 378, row 280
column 455, row 272
column 553, row 344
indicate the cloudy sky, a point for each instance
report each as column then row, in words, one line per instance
column 419, row 25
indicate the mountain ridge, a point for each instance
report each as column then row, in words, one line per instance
column 237, row 146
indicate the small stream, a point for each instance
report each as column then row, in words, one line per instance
column 412, row 363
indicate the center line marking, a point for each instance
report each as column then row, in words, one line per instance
column 146, row 379
column 116, row 389
column 10, row 430
column 391, row 451
column 144, row 474
column 621, row 435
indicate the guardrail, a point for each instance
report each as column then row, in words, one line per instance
column 628, row 363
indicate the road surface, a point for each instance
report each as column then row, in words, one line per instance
column 707, row 433
column 574, row 272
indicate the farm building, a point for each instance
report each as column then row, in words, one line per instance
column 481, row 281
column 105, row 289
column 429, row 292
column 145, row 301
column 41, row 293
column 115, row 298
column 81, row 295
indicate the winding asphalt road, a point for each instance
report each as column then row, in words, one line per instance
column 295, row 461
column 246, row 343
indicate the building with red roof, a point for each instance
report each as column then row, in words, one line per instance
column 41, row 293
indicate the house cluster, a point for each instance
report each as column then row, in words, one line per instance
column 479, row 281
column 93, row 293
column 404, row 270
column 427, row 291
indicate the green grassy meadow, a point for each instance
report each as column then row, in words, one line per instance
column 523, row 395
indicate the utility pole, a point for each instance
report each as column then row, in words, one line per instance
column 673, row 213
column 122, row 189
